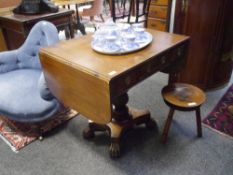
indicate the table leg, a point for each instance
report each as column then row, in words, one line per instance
column 79, row 26
column 67, row 32
column 71, row 29
column 124, row 118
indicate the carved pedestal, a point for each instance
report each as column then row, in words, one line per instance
column 124, row 118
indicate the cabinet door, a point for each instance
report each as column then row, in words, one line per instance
column 223, row 68
column 202, row 21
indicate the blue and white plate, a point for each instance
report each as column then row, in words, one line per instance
column 130, row 46
column 142, row 37
column 113, row 47
column 120, row 47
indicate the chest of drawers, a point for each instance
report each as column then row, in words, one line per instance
column 159, row 14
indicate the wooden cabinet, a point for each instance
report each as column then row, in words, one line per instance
column 16, row 28
column 2, row 42
column 210, row 26
column 6, row 7
column 9, row 3
column 159, row 14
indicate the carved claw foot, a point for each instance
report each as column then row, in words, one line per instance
column 88, row 133
column 150, row 124
column 114, row 149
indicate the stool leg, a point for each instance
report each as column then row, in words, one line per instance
column 167, row 126
column 198, row 119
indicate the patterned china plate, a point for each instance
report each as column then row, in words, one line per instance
column 147, row 39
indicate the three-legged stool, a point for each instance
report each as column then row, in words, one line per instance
column 182, row 97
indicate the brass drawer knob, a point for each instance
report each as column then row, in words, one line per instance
column 128, row 80
column 149, row 69
column 163, row 60
column 179, row 52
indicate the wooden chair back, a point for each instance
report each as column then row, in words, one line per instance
column 120, row 9
column 142, row 10
column 134, row 11
column 95, row 10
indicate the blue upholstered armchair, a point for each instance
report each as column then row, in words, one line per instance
column 24, row 96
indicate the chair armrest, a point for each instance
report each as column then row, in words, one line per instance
column 45, row 93
column 8, row 61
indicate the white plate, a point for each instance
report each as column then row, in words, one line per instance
column 124, row 49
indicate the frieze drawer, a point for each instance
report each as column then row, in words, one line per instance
column 177, row 60
column 125, row 81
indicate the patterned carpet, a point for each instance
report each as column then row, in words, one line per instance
column 221, row 117
column 18, row 135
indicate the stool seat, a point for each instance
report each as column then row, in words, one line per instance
column 183, row 97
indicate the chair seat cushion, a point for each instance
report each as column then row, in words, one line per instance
column 20, row 99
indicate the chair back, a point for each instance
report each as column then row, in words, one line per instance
column 96, row 9
column 41, row 35
column 134, row 11
column 142, row 10
column 120, row 9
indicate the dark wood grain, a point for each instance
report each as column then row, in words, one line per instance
column 209, row 23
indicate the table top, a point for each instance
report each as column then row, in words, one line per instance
column 78, row 53
column 88, row 81
column 27, row 18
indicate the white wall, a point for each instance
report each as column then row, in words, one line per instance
column 171, row 27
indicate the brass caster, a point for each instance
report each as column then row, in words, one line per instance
column 88, row 133
column 114, row 150
column 150, row 124
column 40, row 138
